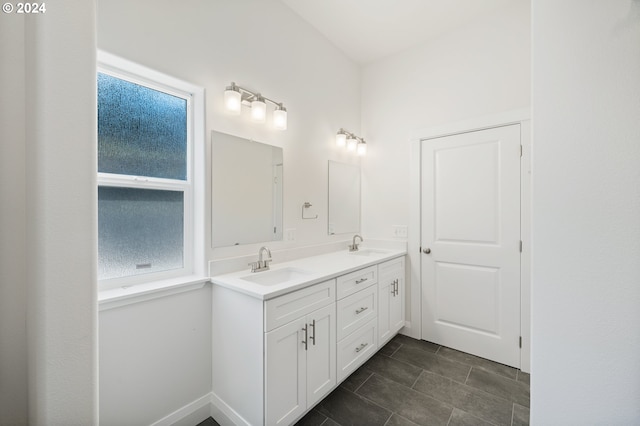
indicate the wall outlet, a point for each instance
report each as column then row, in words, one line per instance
column 290, row 234
column 400, row 231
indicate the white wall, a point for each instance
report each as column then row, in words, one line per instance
column 586, row 212
column 475, row 71
column 13, row 291
column 263, row 46
column 61, row 214
column 478, row 70
column 48, row 348
column 155, row 357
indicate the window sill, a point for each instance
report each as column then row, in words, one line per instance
column 117, row 297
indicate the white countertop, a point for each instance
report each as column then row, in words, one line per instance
column 314, row 269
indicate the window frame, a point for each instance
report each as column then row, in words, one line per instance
column 192, row 187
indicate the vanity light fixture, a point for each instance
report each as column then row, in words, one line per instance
column 258, row 109
column 362, row 148
column 341, row 138
column 233, row 99
column 280, row 118
column 351, row 141
column 236, row 96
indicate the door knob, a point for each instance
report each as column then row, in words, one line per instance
column 426, row 251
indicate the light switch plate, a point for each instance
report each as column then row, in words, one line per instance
column 400, row 231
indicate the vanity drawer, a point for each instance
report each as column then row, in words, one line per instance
column 355, row 310
column 356, row 281
column 357, row 348
column 286, row 308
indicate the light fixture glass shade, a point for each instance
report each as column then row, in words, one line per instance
column 258, row 110
column 280, row 118
column 341, row 139
column 232, row 100
column 362, row 149
column 351, row 144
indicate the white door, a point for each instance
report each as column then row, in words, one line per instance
column 471, row 242
column 286, row 373
column 321, row 353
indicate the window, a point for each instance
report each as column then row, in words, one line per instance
column 148, row 183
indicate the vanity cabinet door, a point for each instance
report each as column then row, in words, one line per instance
column 286, row 373
column 321, row 353
column 300, row 365
column 396, row 305
column 391, row 298
column 384, row 295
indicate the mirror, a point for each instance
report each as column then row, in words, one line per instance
column 246, row 191
column 344, row 198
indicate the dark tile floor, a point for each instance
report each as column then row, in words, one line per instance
column 412, row 382
column 209, row 422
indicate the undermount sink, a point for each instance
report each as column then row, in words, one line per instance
column 277, row 276
column 368, row 252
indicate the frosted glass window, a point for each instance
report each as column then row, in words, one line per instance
column 141, row 131
column 139, row 231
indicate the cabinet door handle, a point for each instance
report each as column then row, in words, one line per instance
column 361, row 310
column 305, row 336
column 361, row 280
column 396, row 286
column 313, row 337
column 361, row 347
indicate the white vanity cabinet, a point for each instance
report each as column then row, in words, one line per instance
column 391, row 298
column 357, row 319
column 273, row 359
column 277, row 350
column 300, row 365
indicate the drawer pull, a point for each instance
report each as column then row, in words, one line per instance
column 394, row 288
column 361, row 280
column 361, row 310
column 305, row 341
column 361, row 347
column 313, row 338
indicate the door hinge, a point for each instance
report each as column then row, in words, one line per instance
column 520, row 246
column 520, row 342
column 520, row 150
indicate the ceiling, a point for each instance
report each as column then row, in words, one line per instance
column 367, row 30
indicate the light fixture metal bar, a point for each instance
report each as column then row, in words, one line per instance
column 248, row 95
column 351, row 135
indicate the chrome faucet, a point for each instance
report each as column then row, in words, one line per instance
column 354, row 246
column 261, row 265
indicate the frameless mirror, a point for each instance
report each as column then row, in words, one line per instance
column 246, row 191
column 344, row 198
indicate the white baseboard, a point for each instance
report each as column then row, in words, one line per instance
column 189, row 415
column 407, row 330
column 206, row 406
column 224, row 414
